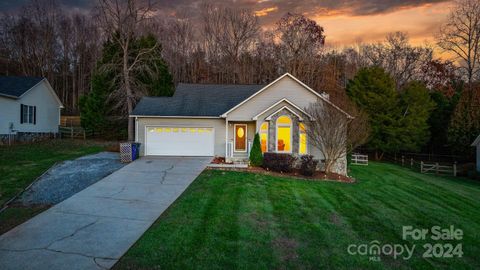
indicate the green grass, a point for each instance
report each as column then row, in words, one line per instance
column 22, row 164
column 235, row 220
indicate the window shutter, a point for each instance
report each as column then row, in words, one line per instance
column 21, row 113
column 34, row 115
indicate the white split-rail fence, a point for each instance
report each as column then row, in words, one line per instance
column 436, row 168
column 358, row 159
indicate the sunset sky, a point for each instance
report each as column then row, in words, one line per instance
column 346, row 22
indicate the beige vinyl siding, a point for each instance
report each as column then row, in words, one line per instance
column 218, row 124
column 284, row 88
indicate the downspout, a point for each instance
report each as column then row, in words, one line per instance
column 136, row 129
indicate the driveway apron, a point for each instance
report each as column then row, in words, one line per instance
column 95, row 227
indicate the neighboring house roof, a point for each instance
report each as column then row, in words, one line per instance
column 476, row 142
column 16, row 86
column 201, row 100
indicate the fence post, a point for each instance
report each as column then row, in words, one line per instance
column 455, row 168
column 421, row 166
column 436, row 168
column 403, row 161
column 411, row 162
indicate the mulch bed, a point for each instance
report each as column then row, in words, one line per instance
column 296, row 174
column 318, row 176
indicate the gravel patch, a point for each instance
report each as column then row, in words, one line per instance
column 69, row 177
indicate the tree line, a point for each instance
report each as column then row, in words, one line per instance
column 124, row 47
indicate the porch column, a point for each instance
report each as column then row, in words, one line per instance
column 226, row 138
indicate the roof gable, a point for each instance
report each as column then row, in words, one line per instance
column 285, row 101
column 286, row 75
column 16, row 86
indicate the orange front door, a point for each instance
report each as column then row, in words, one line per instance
column 240, row 138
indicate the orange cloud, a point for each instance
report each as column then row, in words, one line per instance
column 265, row 11
column 421, row 23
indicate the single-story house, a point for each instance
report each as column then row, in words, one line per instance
column 476, row 143
column 221, row 120
column 29, row 108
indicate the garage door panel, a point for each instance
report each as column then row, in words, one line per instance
column 179, row 141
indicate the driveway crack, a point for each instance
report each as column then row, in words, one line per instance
column 165, row 173
column 72, row 234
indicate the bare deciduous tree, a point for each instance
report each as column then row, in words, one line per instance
column 120, row 21
column 460, row 35
column 327, row 131
column 358, row 128
column 228, row 32
column 403, row 61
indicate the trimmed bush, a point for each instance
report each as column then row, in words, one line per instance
column 256, row 156
column 278, row 162
column 309, row 165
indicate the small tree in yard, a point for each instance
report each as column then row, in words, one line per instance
column 256, row 156
column 327, row 131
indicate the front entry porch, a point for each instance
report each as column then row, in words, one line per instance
column 282, row 131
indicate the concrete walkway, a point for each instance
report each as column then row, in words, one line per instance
column 95, row 227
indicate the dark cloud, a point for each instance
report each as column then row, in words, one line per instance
column 15, row 5
column 274, row 9
column 352, row 7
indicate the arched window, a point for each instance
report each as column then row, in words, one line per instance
column 264, row 137
column 302, row 149
column 284, row 134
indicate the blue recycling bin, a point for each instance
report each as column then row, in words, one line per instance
column 135, row 150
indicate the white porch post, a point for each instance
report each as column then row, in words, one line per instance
column 226, row 138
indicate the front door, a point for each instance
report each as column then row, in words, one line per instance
column 240, row 138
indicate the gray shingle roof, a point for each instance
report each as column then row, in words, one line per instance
column 16, row 86
column 196, row 100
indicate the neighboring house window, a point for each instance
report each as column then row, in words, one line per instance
column 28, row 114
column 302, row 150
column 284, row 134
column 264, row 137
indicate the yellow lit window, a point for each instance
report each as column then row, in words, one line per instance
column 193, row 130
column 184, row 130
column 168, row 130
column 175, row 130
column 303, row 140
column 264, row 137
column 284, row 134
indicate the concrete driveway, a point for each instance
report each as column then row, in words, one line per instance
column 95, row 227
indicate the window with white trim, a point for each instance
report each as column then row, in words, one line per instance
column 302, row 144
column 284, row 134
column 264, row 137
column 27, row 114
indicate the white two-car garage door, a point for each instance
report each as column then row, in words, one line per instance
column 179, row 141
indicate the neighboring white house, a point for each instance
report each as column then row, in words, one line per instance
column 221, row 120
column 476, row 143
column 29, row 108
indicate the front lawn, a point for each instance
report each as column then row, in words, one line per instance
column 231, row 220
column 22, row 164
